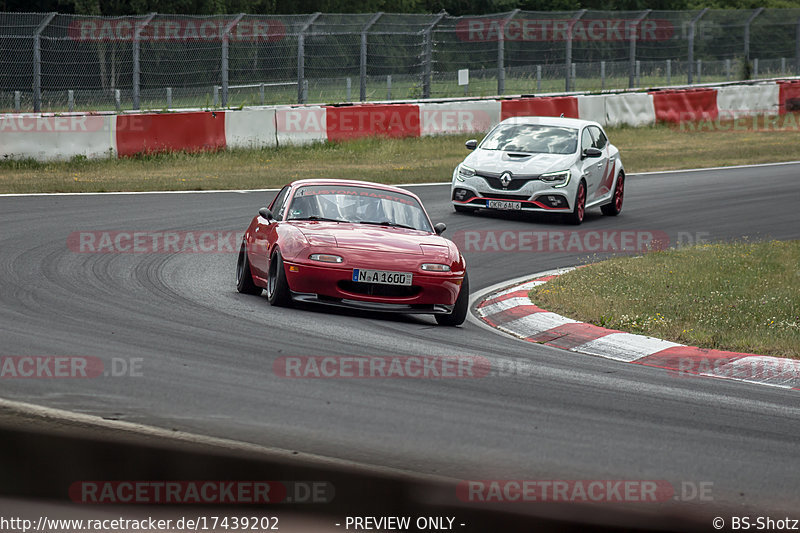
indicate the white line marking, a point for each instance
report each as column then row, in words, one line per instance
column 505, row 304
column 536, row 323
column 624, row 346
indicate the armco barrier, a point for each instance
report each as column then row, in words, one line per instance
column 745, row 100
column 592, row 107
column 458, row 117
column 300, row 125
column 250, row 128
column 170, row 132
column 630, row 109
column 540, row 106
column 50, row 138
column 789, row 97
column 388, row 120
column 688, row 105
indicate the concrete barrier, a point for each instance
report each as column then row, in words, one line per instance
column 540, row 106
column 592, row 107
column 385, row 120
column 52, row 138
column 458, row 117
column 300, row 125
column 630, row 109
column 170, row 132
column 746, row 100
column 250, row 128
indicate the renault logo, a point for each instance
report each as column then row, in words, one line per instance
column 505, row 179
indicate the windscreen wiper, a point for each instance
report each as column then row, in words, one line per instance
column 321, row 219
column 387, row 223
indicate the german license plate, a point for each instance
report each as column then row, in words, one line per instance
column 383, row 277
column 502, row 204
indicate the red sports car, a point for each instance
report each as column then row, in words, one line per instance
column 353, row 244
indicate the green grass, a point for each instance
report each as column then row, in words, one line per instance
column 742, row 297
column 413, row 160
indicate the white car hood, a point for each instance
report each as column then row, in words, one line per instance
column 519, row 164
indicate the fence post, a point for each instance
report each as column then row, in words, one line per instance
column 634, row 36
column 389, row 87
column 669, row 71
column 568, row 59
column 699, row 70
column 17, row 100
column 756, row 13
column 501, row 53
column 538, row 78
column 602, row 75
column 169, row 97
column 728, row 69
column 428, row 60
column 301, row 55
column 135, row 95
column 755, row 68
column 797, row 49
column 690, row 55
column 349, row 89
column 363, row 69
column 37, row 63
column 71, row 100
column 225, row 42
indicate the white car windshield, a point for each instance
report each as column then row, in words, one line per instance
column 363, row 205
column 532, row 138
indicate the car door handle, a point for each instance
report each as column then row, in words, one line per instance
column 599, row 165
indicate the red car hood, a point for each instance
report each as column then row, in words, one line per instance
column 373, row 238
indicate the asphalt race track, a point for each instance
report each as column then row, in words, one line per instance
column 207, row 352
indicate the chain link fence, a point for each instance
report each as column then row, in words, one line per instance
column 57, row 62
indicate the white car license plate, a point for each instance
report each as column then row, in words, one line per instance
column 383, row 277
column 502, row 204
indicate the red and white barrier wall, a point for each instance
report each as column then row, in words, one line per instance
column 92, row 136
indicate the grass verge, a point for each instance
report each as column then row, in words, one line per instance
column 412, row 160
column 743, row 297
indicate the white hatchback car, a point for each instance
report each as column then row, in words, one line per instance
column 552, row 164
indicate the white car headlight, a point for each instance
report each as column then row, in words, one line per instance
column 464, row 172
column 435, row 267
column 556, row 179
column 326, row 258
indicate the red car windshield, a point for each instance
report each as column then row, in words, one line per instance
column 363, row 205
